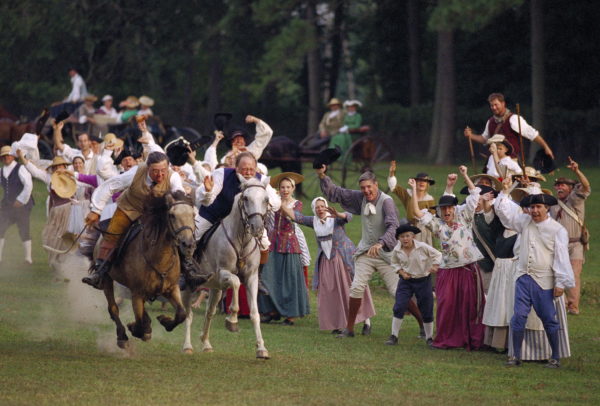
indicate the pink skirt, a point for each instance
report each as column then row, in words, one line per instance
column 334, row 294
column 460, row 302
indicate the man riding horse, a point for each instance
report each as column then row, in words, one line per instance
column 152, row 179
column 216, row 195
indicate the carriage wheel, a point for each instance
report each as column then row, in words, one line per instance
column 362, row 155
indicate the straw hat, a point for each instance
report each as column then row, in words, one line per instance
column 476, row 178
column 131, row 102
column 500, row 139
column 333, row 102
column 90, row 97
column 146, row 101
column 63, row 184
column 58, row 160
column 5, row 150
column 563, row 180
column 532, row 174
column 294, row 177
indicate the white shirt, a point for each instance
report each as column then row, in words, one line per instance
column 512, row 217
column 119, row 183
column 78, row 91
column 511, row 165
column 261, row 140
column 24, row 177
column 527, row 131
column 205, row 198
column 105, row 166
column 37, row 173
column 112, row 113
column 418, row 262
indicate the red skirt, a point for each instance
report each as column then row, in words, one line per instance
column 460, row 302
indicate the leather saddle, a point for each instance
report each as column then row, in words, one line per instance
column 132, row 232
column 201, row 245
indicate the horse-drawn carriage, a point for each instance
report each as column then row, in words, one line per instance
column 365, row 151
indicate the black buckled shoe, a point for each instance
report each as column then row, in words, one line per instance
column 552, row 363
column 393, row 340
column 429, row 342
column 366, row 330
column 97, row 277
column 345, row 334
column 513, row 362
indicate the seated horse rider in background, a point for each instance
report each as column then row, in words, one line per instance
column 152, row 179
column 216, row 195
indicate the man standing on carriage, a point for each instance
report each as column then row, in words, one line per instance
column 508, row 124
column 152, row 179
column 216, row 196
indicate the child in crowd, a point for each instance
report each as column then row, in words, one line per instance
column 414, row 261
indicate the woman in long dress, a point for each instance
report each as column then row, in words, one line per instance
column 283, row 274
column 334, row 268
column 459, row 287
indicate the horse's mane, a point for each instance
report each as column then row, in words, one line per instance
column 251, row 182
column 155, row 217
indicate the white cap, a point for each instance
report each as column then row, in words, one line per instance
column 107, row 97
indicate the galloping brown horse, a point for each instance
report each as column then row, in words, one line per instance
column 150, row 265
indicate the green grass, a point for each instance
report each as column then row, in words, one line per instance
column 57, row 347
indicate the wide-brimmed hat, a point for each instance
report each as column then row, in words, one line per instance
column 446, row 200
column 424, row 177
column 532, row 174
column 406, row 227
column 484, row 189
column 131, row 102
column 327, row 157
column 58, row 160
column 293, row 176
column 146, row 101
column 356, row 103
column 543, row 162
column 177, row 151
column 566, row 181
column 237, row 131
column 501, row 139
column 334, row 101
column 540, row 198
column 518, row 194
column 5, row 150
column 497, row 184
column 90, row 97
column 63, row 184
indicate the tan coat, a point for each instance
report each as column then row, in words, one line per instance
column 132, row 200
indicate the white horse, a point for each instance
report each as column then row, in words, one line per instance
column 231, row 251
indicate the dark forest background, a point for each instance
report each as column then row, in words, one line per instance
column 422, row 68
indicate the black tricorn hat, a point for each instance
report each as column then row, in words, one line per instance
column 41, row 121
column 541, row 198
column 63, row 115
column 406, row 227
column 237, row 131
column 221, row 121
column 484, row 189
column 425, row 177
column 447, row 200
column 543, row 162
column 125, row 153
column 327, row 157
column 177, row 151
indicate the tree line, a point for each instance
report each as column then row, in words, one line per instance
column 422, row 68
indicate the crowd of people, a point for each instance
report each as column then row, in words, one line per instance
column 496, row 265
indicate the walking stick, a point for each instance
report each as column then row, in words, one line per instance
column 472, row 154
column 521, row 139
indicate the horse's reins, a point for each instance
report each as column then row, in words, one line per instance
column 48, row 248
column 241, row 260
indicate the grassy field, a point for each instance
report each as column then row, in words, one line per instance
column 57, row 347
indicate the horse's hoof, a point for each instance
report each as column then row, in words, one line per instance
column 233, row 327
column 262, row 354
column 146, row 336
column 123, row 344
column 188, row 351
column 207, row 349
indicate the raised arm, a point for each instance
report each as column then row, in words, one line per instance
column 450, row 182
column 585, row 183
column 508, row 211
column 415, row 204
column 262, row 138
column 350, row 200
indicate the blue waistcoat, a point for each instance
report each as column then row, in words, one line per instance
column 223, row 204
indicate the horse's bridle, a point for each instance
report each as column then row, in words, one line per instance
column 175, row 232
column 245, row 216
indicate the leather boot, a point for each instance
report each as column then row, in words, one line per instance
column 264, row 257
column 102, row 265
column 192, row 274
